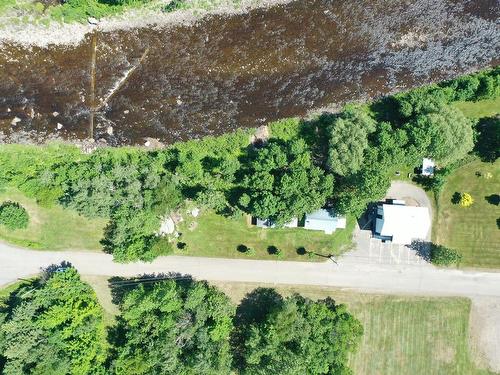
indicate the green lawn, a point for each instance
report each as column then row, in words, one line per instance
column 482, row 108
column 403, row 335
column 216, row 236
column 52, row 228
column 475, row 230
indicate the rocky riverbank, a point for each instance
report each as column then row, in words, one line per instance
column 219, row 72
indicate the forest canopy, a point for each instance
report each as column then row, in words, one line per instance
column 169, row 324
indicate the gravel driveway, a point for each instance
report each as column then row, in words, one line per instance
column 411, row 194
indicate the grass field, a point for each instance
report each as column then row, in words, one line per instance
column 479, row 109
column 52, row 228
column 475, row 230
column 216, row 236
column 403, row 335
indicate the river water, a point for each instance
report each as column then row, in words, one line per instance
column 224, row 72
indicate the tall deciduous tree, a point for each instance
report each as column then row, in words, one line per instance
column 294, row 335
column 348, row 140
column 281, row 182
column 445, row 135
column 55, row 327
column 174, row 328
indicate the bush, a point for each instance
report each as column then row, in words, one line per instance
column 13, row 215
column 444, row 256
column 466, row 200
column 250, row 251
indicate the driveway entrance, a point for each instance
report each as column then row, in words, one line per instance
column 374, row 251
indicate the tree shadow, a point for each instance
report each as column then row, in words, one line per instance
column 455, row 199
column 498, row 223
column 366, row 220
column 48, row 271
column 253, row 308
column 422, row 248
column 488, row 141
column 387, row 109
column 493, row 199
column 120, row 286
column 272, row 250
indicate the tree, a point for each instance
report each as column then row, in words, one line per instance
column 174, row 327
column 13, row 215
column 54, row 327
column 355, row 192
column 466, row 200
column 280, row 182
column 445, row 135
column 348, row 140
column 293, row 335
column 444, row 256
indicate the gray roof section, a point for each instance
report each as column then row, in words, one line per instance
column 321, row 219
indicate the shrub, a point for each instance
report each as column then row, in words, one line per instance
column 466, row 200
column 444, row 256
column 250, row 251
column 13, row 215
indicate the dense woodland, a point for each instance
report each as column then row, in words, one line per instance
column 169, row 325
column 343, row 160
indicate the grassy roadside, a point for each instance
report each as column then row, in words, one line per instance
column 213, row 235
column 52, row 228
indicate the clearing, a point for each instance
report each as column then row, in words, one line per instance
column 212, row 235
column 52, row 228
column 474, row 230
column 479, row 109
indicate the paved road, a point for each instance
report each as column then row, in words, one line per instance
column 388, row 278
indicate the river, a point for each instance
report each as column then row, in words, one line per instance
column 225, row 72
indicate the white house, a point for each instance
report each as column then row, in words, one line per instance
column 401, row 224
column 324, row 220
column 428, row 166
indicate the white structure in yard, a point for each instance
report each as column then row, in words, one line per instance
column 270, row 224
column 428, row 166
column 325, row 220
column 401, row 224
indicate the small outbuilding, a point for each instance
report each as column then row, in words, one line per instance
column 268, row 223
column 401, row 224
column 324, row 220
column 428, row 166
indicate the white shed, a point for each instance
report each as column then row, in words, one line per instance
column 267, row 223
column 428, row 166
